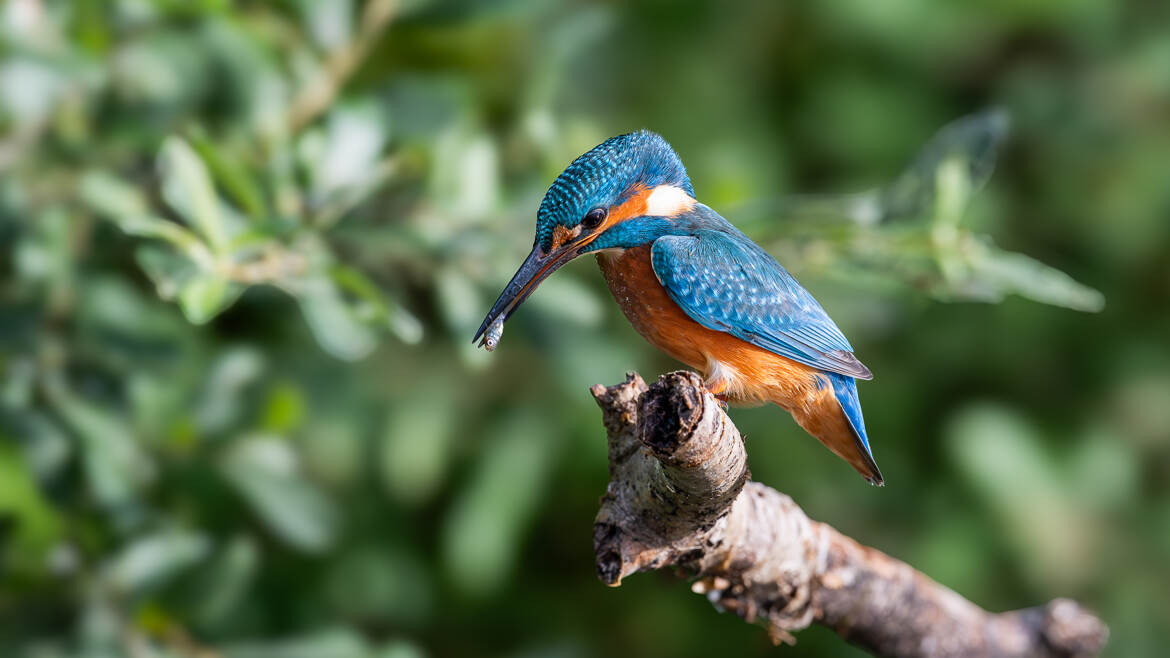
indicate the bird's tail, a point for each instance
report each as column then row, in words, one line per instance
column 835, row 420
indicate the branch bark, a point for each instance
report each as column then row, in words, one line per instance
column 680, row 496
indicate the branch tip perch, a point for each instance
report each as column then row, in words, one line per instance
column 680, row 496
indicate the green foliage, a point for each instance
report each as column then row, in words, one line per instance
column 247, row 244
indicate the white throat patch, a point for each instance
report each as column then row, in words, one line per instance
column 668, row 201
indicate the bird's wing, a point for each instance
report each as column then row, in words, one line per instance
column 727, row 283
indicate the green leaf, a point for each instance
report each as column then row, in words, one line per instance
column 459, row 300
column 206, row 295
column 1016, row 273
column 186, row 186
column 334, row 323
column 482, row 533
column 154, row 559
column 380, row 584
column 229, row 378
column 110, row 196
column 265, row 472
column 114, row 465
column 973, row 142
column 332, row 643
column 354, row 136
column 169, row 271
column 1000, row 455
column 378, row 306
column 330, row 23
column 567, row 299
column 226, row 579
column 47, row 448
column 417, row 441
column 34, row 524
column 233, row 175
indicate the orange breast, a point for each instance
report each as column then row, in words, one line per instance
column 745, row 373
column 741, row 372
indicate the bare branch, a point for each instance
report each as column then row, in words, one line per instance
column 680, row 496
column 342, row 63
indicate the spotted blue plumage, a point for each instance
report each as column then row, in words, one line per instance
column 605, row 176
column 726, row 282
column 716, row 274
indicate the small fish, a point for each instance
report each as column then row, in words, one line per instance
column 491, row 337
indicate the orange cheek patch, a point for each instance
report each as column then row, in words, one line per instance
column 560, row 236
column 635, row 206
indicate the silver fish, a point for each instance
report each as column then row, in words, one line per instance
column 491, row 337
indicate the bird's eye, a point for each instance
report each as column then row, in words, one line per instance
column 594, row 218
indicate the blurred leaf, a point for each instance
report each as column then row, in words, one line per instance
column 157, row 69
column 1000, row 456
column 483, row 529
column 565, row 298
column 152, row 560
column 119, row 309
column 32, row 525
column 1105, row 471
column 206, row 295
column 1001, row 272
column 330, row 23
column 264, row 470
column 400, row 649
column 336, row 449
column 225, row 389
column 232, row 174
column 377, row 306
column 44, row 254
column 169, row 271
column 972, row 141
column 354, row 136
column 186, row 186
column 114, row 465
column 372, row 583
column 226, row 579
column 112, row 197
column 459, row 300
column 334, row 324
column 284, row 408
column 153, row 227
column 252, row 75
column 416, row 443
column 331, row 643
column 974, row 268
column 47, row 450
column 29, row 88
column 465, row 175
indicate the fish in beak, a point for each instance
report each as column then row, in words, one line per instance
column 536, row 268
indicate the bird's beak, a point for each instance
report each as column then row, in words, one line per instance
column 535, row 269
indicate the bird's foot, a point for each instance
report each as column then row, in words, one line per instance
column 719, row 390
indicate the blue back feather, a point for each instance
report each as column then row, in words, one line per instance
column 726, row 282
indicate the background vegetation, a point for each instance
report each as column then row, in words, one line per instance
column 246, row 245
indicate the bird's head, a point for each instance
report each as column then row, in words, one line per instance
column 622, row 193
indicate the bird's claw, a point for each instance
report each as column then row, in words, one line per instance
column 718, row 390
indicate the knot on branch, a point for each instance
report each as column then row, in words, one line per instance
column 679, row 496
column 677, row 463
column 1071, row 630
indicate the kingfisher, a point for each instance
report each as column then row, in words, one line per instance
column 697, row 288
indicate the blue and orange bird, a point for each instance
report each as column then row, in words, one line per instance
column 696, row 288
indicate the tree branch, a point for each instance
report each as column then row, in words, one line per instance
column 680, row 495
column 342, row 63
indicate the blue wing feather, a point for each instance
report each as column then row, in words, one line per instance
column 726, row 282
column 845, row 390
